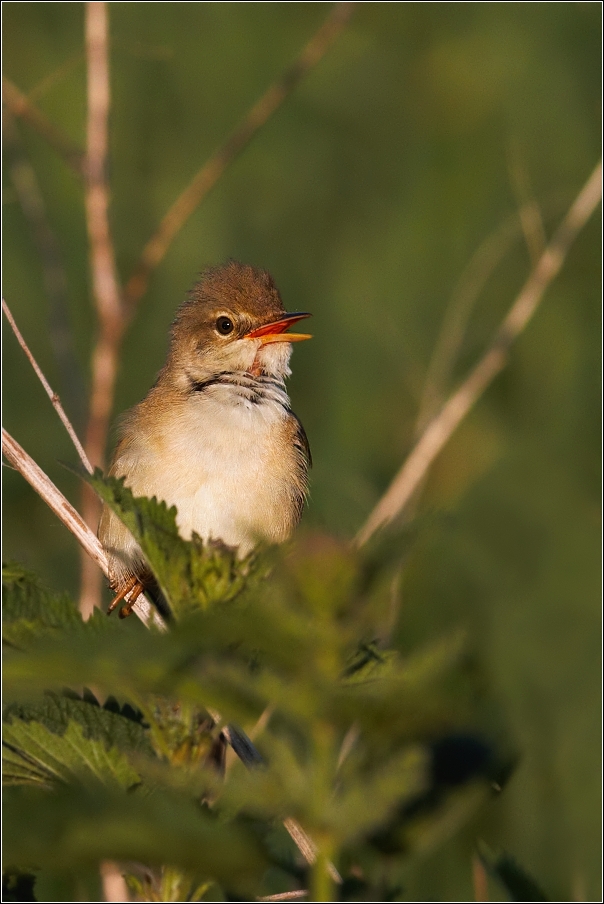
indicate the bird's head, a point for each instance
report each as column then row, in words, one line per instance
column 233, row 320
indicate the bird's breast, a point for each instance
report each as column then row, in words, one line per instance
column 226, row 459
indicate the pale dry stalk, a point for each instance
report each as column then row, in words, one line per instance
column 528, row 208
column 114, row 884
column 307, row 847
column 474, row 277
column 480, row 881
column 67, row 514
column 63, row 509
column 56, row 76
column 105, row 287
column 54, row 398
column 441, row 428
column 295, row 895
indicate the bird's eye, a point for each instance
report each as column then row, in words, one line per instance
column 225, row 325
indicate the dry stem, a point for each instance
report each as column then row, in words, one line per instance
column 307, row 847
column 57, row 75
column 440, row 429
column 286, row 895
column 105, row 286
column 53, row 497
column 33, row 207
column 114, row 884
column 21, row 106
column 479, row 879
column 65, row 512
column 212, row 170
column 528, row 208
column 54, row 398
column 106, row 290
column 474, row 277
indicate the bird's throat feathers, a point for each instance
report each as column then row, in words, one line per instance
column 247, row 357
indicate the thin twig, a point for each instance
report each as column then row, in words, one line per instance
column 105, row 287
column 472, row 281
column 56, row 76
column 263, row 720
column 528, row 208
column 65, row 512
column 350, row 739
column 54, row 275
column 212, row 170
column 54, row 398
column 21, row 106
column 286, row 895
column 53, row 497
column 307, row 847
column 440, row 429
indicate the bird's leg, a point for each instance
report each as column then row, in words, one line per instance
column 137, row 589
column 128, row 586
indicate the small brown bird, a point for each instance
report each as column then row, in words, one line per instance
column 216, row 436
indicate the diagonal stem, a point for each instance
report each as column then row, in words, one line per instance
column 56, row 402
column 440, row 429
column 52, row 496
column 20, row 105
column 209, row 174
column 67, row 514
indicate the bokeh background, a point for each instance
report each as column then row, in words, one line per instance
column 366, row 195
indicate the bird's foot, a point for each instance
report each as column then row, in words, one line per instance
column 133, row 587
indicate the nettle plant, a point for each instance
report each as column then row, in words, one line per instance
column 266, row 743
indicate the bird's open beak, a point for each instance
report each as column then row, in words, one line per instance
column 275, row 331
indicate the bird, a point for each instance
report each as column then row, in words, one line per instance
column 215, row 436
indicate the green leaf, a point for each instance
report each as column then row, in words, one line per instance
column 115, row 726
column 30, row 610
column 192, row 575
column 38, row 756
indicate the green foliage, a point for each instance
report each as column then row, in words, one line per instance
column 348, row 749
column 25, row 599
column 38, row 755
column 29, row 609
column 82, row 736
column 190, row 575
column 75, row 827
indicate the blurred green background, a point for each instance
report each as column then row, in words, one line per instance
column 366, row 196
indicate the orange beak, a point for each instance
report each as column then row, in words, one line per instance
column 275, row 332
